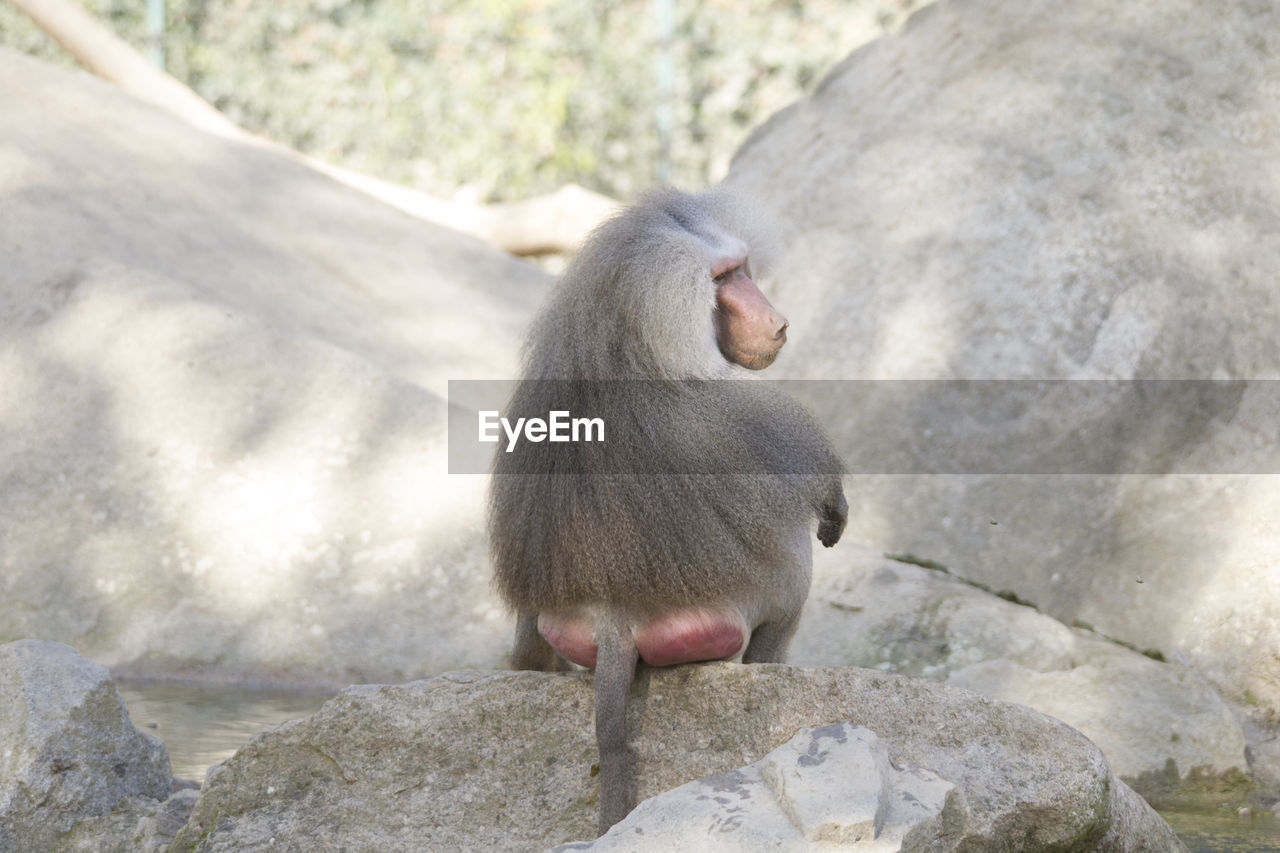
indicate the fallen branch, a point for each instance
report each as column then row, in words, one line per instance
column 112, row 58
column 556, row 222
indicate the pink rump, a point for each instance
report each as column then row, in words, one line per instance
column 681, row 636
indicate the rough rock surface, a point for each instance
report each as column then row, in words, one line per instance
column 866, row 610
column 834, row 785
column 1045, row 190
column 135, row 825
column 220, row 389
column 72, row 765
column 503, row 761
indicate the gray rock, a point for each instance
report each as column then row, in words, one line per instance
column 223, row 402
column 869, row 611
column 135, row 825
column 831, row 786
column 1045, row 190
column 70, row 756
column 832, row 791
column 503, row 761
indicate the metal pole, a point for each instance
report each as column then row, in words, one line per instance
column 155, row 32
column 666, row 75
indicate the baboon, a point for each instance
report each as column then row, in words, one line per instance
column 684, row 536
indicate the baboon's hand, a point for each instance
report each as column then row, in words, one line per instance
column 835, row 514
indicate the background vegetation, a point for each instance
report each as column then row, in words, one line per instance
column 499, row 99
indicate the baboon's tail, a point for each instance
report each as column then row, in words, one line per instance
column 615, row 668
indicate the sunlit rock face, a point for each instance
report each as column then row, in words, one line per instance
column 1064, row 191
column 222, row 381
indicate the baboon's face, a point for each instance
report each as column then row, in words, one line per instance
column 749, row 331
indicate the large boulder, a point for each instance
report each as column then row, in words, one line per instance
column 1057, row 191
column 887, row 614
column 74, row 771
column 504, row 761
column 221, row 383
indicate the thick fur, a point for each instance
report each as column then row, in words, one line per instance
column 671, row 508
column 704, row 491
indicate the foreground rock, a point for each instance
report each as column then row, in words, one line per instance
column 503, row 761
column 867, row 610
column 833, row 785
column 221, row 379
column 1056, row 190
column 74, row 772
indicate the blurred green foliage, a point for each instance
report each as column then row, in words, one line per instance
column 497, row 99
